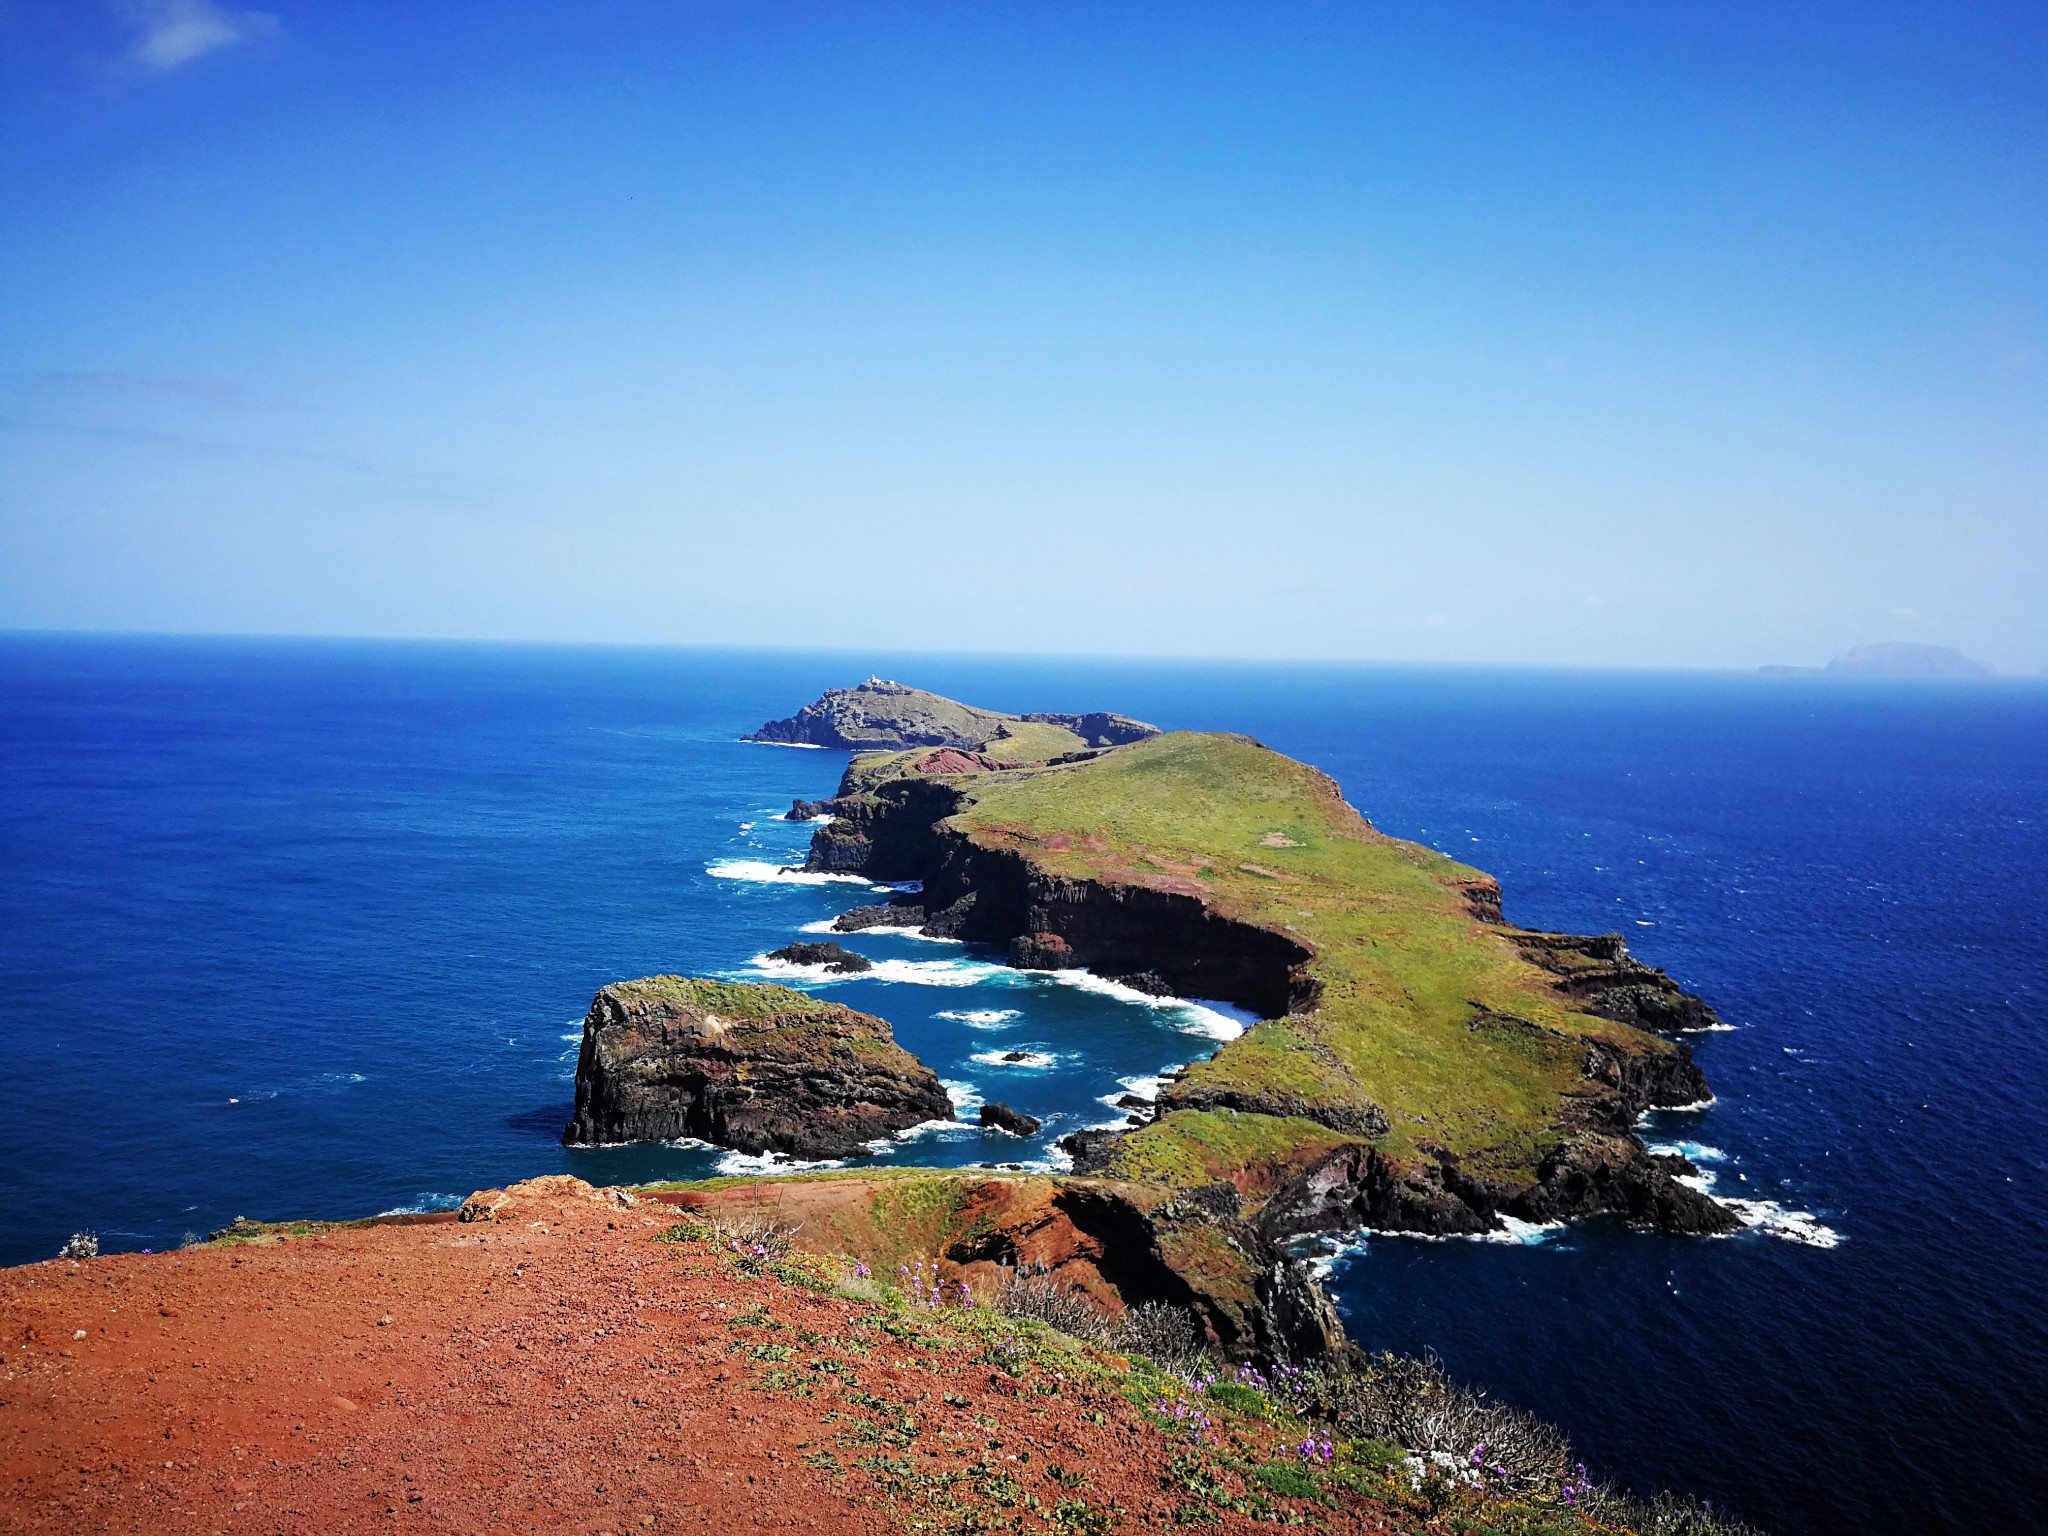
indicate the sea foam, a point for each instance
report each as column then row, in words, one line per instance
column 920, row 973
column 983, row 1018
column 1189, row 1017
column 824, row 925
column 760, row 870
column 1026, row 1061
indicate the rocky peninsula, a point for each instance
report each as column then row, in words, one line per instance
column 1421, row 1065
column 754, row 1067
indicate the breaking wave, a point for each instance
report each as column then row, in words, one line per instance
column 920, row 973
column 983, row 1018
column 760, row 870
column 1018, row 1061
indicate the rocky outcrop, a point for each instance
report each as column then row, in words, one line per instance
column 1099, row 729
column 1359, row 1186
column 891, row 916
column 1116, row 1245
column 1360, row 1118
column 756, row 1068
column 833, row 957
column 1598, row 971
column 1003, row 1118
column 885, row 716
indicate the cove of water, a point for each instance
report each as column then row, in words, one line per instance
column 309, row 929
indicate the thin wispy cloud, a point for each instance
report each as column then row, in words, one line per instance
column 173, row 33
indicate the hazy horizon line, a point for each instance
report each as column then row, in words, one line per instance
column 1795, row 670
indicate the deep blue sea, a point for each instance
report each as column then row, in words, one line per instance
column 307, row 929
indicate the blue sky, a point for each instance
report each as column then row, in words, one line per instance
column 1614, row 334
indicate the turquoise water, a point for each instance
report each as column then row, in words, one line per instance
column 308, row 929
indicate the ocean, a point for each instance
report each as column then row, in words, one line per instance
column 309, row 928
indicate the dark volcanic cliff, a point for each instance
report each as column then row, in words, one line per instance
column 756, row 1068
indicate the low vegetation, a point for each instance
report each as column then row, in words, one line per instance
column 1383, row 1435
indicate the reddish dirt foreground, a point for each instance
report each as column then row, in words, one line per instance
column 553, row 1369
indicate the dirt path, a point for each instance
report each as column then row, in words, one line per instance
column 552, row 1370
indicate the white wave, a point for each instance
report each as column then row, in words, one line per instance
column 1677, row 1109
column 1017, row 1061
column 1189, row 1017
column 1774, row 1220
column 965, row 1096
column 1147, row 1088
column 824, row 925
column 921, row 973
column 807, row 746
column 423, row 1204
column 770, row 1162
column 782, row 874
column 1691, row 1151
column 983, row 1018
column 1325, row 1253
column 1765, row 1216
column 923, row 1129
column 1526, row 1233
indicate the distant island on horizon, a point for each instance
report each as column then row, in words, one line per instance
column 1891, row 658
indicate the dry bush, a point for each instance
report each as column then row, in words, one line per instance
column 755, row 1234
column 1412, row 1404
column 80, row 1245
column 1163, row 1334
column 1167, row 1337
column 1029, row 1291
column 1665, row 1515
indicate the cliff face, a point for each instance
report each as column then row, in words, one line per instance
column 756, row 1068
column 1426, row 1066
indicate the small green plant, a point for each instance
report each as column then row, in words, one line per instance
column 1075, row 1515
column 1288, row 1482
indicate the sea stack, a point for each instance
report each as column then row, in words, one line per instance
column 753, row 1067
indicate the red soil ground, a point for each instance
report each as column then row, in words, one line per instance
column 554, row 1369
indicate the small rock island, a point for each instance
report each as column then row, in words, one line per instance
column 881, row 716
column 753, row 1067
